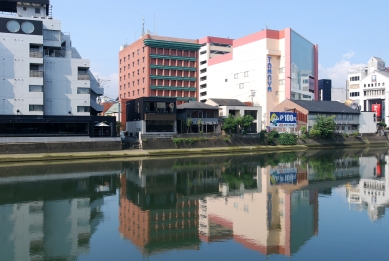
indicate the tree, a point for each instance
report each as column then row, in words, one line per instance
column 324, row 127
column 199, row 123
column 188, row 124
column 229, row 124
column 245, row 122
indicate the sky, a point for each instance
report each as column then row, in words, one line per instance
column 346, row 33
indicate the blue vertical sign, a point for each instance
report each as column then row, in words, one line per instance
column 269, row 74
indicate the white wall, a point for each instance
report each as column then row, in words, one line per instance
column 366, row 122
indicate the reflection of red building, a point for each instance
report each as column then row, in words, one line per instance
column 158, row 227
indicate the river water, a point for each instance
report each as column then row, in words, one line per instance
column 308, row 205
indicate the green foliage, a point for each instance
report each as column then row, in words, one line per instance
column 178, row 141
column 229, row 124
column 356, row 134
column 227, row 138
column 287, row 139
column 345, row 135
column 272, row 137
column 118, row 126
column 244, row 122
column 315, row 133
column 304, row 137
column 303, row 130
column 326, row 126
column 188, row 124
column 381, row 124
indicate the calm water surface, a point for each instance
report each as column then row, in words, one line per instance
column 312, row 205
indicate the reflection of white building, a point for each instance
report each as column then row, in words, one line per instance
column 268, row 218
column 371, row 193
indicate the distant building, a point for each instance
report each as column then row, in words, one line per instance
column 339, row 94
column 264, row 68
column 368, row 86
column 41, row 72
column 157, row 66
column 325, row 86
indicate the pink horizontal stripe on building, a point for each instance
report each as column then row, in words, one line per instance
column 212, row 39
column 220, row 59
column 271, row 34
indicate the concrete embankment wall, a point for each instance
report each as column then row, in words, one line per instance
column 253, row 140
column 54, row 147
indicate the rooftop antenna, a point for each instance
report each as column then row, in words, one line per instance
column 143, row 26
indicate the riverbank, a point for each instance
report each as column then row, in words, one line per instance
column 138, row 153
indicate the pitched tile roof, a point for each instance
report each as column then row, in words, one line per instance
column 228, row 102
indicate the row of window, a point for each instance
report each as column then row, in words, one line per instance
column 39, row 88
column 36, row 107
column 374, row 93
column 245, row 74
column 128, row 94
column 354, row 94
column 346, row 127
column 133, row 83
column 374, row 85
column 337, row 116
column 173, row 52
column 133, row 65
column 133, row 74
column 354, row 78
column 133, row 55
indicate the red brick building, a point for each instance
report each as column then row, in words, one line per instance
column 156, row 66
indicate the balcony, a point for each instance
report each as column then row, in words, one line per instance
column 34, row 73
column 36, row 54
column 83, row 77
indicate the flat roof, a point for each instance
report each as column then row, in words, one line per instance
column 326, row 107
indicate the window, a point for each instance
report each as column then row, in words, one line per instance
column 138, row 71
column 128, row 94
column 82, row 90
column 225, row 80
column 282, row 70
column 143, row 49
column 124, row 95
column 124, row 68
column 36, row 88
column 124, row 59
column 143, row 89
column 246, row 73
column 364, row 85
column 143, row 70
column 241, row 85
column 350, row 116
column 37, row 10
column 124, row 77
column 133, row 64
column 282, row 82
column 236, row 75
column 124, row 87
column 138, row 91
column 143, row 80
column 120, row 61
column 138, row 52
column 133, row 54
column 33, row 107
column 143, row 60
column 138, row 81
column 383, row 84
column 133, row 93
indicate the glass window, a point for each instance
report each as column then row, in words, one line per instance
column 27, row 27
column 37, row 10
column 246, row 74
column 13, row 26
column 36, row 88
column 51, row 35
column 33, row 107
column 236, row 75
column 159, row 126
column 82, row 90
column 302, row 61
column 241, row 85
column 252, row 113
column 83, row 109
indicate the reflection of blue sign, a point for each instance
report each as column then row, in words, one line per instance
column 269, row 74
column 283, row 176
column 283, row 119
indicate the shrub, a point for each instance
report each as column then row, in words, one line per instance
column 315, row 133
column 303, row 130
column 304, row 137
column 287, row 139
column 345, row 135
column 356, row 134
column 272, row 137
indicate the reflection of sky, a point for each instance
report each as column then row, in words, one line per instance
column 302, row 53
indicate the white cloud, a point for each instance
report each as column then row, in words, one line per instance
column 338, row 73
column 111, row 86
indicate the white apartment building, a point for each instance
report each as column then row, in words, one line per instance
column 210, row 47
column 368, row 87
column 264, row 68
column 40, row 72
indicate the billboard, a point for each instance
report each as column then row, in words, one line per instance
column 377, row 109
column 283, row 119
column 283, row 176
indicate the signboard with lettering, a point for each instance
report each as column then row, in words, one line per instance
column 283, row 176
column 269, row 74
column 377, row 109
column 311, row 83
column 283, row 119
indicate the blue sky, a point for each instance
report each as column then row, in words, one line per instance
column 348, row 32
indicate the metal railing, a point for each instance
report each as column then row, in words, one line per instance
column 36, row 73
column 55, row 53
column 36, row 54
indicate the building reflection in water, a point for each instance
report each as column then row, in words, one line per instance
column 371, row 193
column 269, row 209
column 51, row 219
